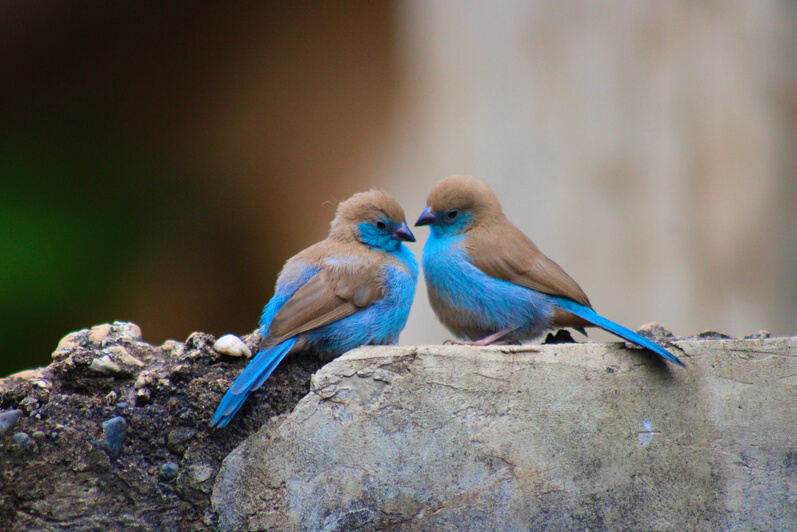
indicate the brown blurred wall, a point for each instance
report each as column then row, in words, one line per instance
column 650, row 148
column 159, row 162
column 215, row 140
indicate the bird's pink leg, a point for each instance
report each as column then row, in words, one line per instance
column 493, row 339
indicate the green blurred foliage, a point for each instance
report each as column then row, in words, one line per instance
column 68, row 220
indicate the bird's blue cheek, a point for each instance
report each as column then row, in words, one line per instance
column 375, row 238
column 462, row 223
column 448, row 228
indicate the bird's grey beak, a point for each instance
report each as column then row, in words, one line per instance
column 426, row 217
column 403, row 233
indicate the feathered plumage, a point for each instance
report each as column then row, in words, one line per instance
column 354, row 288
column 487, row 280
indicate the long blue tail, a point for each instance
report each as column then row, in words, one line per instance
column 593, row 317
column 251, row 378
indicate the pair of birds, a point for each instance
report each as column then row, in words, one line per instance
column 487, row 282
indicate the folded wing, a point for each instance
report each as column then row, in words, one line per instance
column 333, row 294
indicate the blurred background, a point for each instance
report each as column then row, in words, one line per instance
column 159, row 163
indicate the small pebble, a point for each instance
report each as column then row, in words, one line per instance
column 70, row 341
column 123, row 404
column 8, row 420
column 173, row 347
column 119, row 353
column 654, row 330
column 178, row 439
column 105, row 365
column 38, row 435
column 128, row 329
column 99, row 333
column 22, row 439
column 30, row 403
column 169, row 471
column 200, row 473
column 143, row 380
column 231, row 345
column 713, row 335
column 115, row 431
column 197, row 340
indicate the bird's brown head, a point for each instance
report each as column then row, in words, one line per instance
column 459, row 202
column 372, row 217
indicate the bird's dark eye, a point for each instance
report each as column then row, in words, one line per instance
column 381, row 225
column 452, row 214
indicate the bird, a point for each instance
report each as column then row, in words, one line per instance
column 488, row 283
column 353, row 288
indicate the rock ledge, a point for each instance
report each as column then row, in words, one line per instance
column 558, row 437
column 114, row 435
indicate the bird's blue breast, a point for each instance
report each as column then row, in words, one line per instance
column 382, row 321
column 471, row 303
column 378, row 324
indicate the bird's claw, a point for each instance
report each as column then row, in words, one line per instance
column 478, row 343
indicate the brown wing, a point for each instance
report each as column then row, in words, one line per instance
column 506, row 253
column 331, row 295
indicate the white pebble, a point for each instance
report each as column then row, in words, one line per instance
column 231, row 345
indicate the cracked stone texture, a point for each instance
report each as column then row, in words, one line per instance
column 587, row 436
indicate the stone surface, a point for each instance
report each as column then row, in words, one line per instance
column 587, row 436
column 8, row 420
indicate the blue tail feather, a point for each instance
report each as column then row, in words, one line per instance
column 593, row 317
column 250, row 379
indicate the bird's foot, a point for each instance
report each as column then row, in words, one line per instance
column 493, row 339
column 475, row 343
